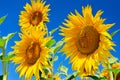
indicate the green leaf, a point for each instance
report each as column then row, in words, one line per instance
column 55, row 58
column 2, row 42
column 1, row 56
column 103, row 78
column 50, row 43
column 9, row 36
column 46, row 70
column 93, row 77
column 8, row 58
column 5, row 39
column 115, row 71
column 115, row 32
column 46, row 78
column 70, row 77
column 113, row 60
column 2, row 19
column 51, row 32
column 1, row 77
column 57, row 47
column 63, row 68
column 42, row 78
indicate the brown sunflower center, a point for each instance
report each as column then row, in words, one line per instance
column 88, row 40
column 36, row 18
column 33, row 53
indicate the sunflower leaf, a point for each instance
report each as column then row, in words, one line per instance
column 52, row 31
column 115, row 71
column 2, row 42
column 93, row 77
column 70, row 77
column 103, row 78
column 1, row 55
column 9, row 36
column 1, row 77
column 8, row 58
column 63, row 68
column 47, row 70
column 50, row 43
column 5, row 39
column 113, row 60
column 115, row 32
column 55, row 58
column 57, row 47
column 45, row 78
column 2, row 19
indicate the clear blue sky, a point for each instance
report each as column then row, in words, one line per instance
column 59, row 11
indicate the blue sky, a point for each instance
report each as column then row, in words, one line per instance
column 59, row 11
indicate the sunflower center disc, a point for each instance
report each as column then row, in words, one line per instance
column 88, row 40
column 33, row 53
column 36, row 18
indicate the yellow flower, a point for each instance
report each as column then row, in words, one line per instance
column 35, row 15
column 116, row 65
column 31, row 54
column 87, row 41
column 57, row 77
column 106, row 74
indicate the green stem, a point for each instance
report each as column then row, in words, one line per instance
column 4, row 68
column 110, row 72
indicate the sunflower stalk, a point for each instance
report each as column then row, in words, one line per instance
column 110, row 72
column 4, row 68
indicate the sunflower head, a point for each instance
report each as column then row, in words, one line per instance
column 31, row 54
column 87, row 41
column 34, row 15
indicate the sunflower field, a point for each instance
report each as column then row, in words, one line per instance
column 59, row 40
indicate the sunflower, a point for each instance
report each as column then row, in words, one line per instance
column 34, row 15
column 87, row 41
column 31, row 54
column 107, row 74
